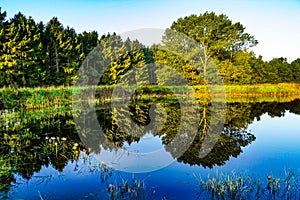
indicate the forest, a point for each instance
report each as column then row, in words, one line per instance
column 35, row 54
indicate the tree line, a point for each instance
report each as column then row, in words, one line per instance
column 35, row 54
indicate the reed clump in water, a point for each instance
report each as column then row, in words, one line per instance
column 243, row 186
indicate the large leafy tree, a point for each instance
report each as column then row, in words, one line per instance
column 217, row 34
column 220, row 39
column 237, row 71
column 271, row 73
column 282, row 67
column 165, row 59
column 295, row 67
column 258, row 70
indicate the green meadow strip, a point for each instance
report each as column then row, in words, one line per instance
column 43, row 97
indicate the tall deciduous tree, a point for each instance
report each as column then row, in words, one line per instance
column 295, row 67
column 219, row 38
column 284, row 72
column 238, row 71
column 217, row 34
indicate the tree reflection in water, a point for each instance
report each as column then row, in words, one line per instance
column 31, row 140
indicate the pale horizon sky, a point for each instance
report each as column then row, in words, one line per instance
column 274, row 23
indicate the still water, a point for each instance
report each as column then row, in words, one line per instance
column 44, row 157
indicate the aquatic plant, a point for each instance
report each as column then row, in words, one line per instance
column 243, row 186
column 134, row 189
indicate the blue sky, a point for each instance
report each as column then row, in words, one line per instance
column 274, row 23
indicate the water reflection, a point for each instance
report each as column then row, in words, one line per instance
column 31, row 140
column 229, row 142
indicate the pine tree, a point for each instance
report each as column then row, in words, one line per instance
column 3, row 39
column 20, row 52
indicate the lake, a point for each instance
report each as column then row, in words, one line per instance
column 152, row 150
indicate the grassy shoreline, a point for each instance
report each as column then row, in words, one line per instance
column 44, row 97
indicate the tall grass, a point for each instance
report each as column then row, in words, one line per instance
column 243, row 186
column 134, row 189
column 43, row 97
column 251, row 91
column 34, row 98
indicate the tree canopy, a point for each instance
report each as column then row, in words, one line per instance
column 215, row 33
column 36, row 54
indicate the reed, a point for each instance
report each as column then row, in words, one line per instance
column 134, row 189
column 244, row 186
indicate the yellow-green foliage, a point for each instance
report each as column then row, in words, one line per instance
column 41, row 97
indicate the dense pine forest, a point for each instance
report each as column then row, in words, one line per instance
column 35, row 54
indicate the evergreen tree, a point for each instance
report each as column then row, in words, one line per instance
column 3, row 39
column 21, row 52
column 89, row 41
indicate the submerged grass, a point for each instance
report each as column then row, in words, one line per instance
column 243, row 186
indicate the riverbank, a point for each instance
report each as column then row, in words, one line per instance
column 44, row 97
